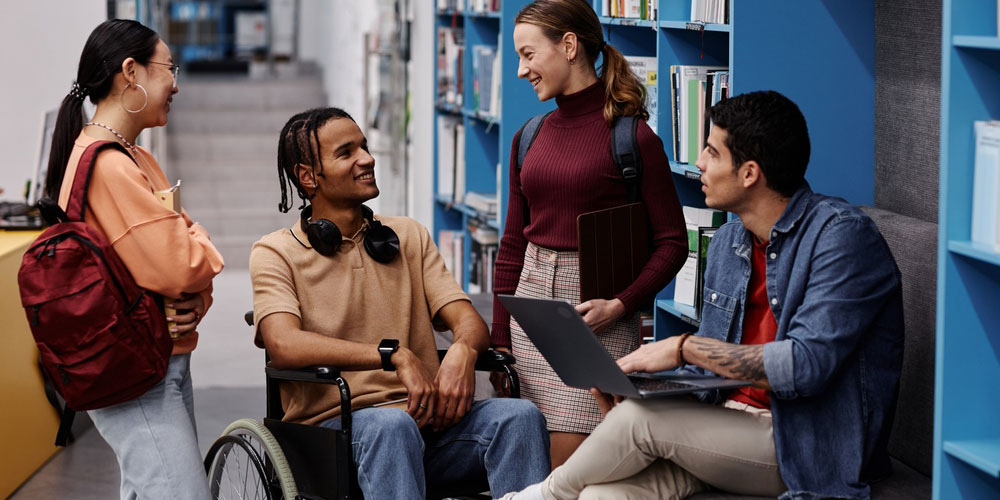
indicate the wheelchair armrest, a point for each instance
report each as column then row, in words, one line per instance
column 495, row 361
column 489, row 361
column 319, row 374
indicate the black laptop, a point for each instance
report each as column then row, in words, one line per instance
column 575, row 353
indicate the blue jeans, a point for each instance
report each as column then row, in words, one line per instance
column 154, row 438
column 503, row 441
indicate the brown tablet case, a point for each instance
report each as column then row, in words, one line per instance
column 614, row 247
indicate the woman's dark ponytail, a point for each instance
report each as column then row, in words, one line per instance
column 108, row 46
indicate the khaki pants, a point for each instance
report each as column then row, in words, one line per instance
column 670, row 448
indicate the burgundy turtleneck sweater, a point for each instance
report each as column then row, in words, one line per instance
column 569, row 171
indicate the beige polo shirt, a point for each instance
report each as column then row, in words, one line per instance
column 352, row 297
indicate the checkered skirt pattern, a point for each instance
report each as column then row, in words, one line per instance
column 556, row 275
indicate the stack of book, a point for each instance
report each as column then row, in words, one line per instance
column 701, row 224
column 451, row 46
column 451, row 245
column 635, row 9
column 986, row 185
column 451, row 5
column 644, row 69
column 482, row 6
column 482, row 258
column 710, row 11
column 486, row 80
column 693, row 90
column 451, row 159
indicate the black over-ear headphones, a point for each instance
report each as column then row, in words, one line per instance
column 381, row 242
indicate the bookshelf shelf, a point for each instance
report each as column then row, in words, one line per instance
column 688, row 25
column 976, row 42
column 685, row 312
column 975, row 251
column 827, row 35
column 966, row 444
column 982, row 454
column 686, row 170
column 625, row 21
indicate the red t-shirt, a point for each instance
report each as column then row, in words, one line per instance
column 759, row 325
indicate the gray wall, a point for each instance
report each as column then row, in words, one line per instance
column 907, row 106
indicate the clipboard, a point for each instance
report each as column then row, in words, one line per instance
column 614, row 247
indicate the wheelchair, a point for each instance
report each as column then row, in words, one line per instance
column 284, row 460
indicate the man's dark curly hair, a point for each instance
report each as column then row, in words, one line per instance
column 768, row 128
column 299, row 145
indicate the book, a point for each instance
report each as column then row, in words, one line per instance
column 644, row 68
column 170, row 198
column 705, row 235
column 446, row 156
column 686, row 282
column 986, row 185
column 613, row 247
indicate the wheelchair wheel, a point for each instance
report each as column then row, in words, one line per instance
column 246, row 462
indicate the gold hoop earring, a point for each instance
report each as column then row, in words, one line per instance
column 144, row 102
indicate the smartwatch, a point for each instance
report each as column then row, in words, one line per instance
column 385, row 349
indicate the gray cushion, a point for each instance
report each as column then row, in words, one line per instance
column 913, row 243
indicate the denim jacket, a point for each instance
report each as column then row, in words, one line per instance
column 835, row 362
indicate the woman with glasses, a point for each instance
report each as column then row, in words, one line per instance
column 128, row 72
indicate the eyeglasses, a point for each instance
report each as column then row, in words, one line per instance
column 175, row 69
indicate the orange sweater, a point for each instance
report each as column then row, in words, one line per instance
column 166, row 252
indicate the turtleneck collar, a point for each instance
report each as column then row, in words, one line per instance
column 585, row 101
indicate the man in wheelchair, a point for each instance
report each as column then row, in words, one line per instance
column 359, row 292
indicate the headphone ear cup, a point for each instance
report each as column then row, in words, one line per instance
column 324, row 236
column 381, row 243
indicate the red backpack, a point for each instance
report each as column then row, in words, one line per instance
column 102, row 339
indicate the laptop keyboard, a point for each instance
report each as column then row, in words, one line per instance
column 659, row 384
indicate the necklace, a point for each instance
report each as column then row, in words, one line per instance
column 119, row 136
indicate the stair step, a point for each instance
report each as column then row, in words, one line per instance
column 195, row 147
column 248, row 223
column 230, row 121
column 247, row 94
column 231, row 194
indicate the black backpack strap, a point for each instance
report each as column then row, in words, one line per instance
column 65, row 426
column 530, row 130
column 625, row 152
column 76, row 207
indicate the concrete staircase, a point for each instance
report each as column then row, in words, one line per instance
column 222, row 140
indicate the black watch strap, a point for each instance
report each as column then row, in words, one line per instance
column 386, row 348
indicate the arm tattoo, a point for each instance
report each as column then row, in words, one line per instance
column 744, row 362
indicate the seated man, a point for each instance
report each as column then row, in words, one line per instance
column 802, row 298
column 348, row 289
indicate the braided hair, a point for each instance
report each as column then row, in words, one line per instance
column 299, row 145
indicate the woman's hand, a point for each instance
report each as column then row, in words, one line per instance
column 600, row 314
column 190, row 308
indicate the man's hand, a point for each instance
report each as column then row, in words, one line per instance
column 652, row 357
column 600, row 314
column 190, row 309
column 456, row 382
column 605, row 402
column 421, row 389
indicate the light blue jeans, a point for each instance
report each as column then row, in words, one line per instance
column 501, row 440
column 155, row 440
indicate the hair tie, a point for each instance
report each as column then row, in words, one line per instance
column 79, row 93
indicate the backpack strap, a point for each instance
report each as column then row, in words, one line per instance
column 530, row 130
column 65, row 426
column 77, row 205
column 625, row 152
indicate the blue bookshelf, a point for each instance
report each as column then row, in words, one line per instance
column 808, row 50
column 487, row 137
column 966, row 434
column 819, row 53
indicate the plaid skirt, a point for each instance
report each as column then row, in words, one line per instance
column 556, row 275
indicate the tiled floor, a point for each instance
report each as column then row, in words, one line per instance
column 227, row 371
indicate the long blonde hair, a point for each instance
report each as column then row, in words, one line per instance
column 626, row 96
